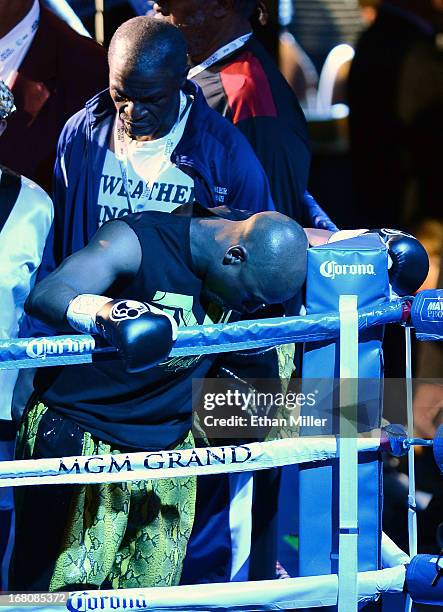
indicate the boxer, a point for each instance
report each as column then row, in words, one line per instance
column 156, row 271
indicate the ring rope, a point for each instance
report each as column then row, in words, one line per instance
column 271, row 595
column 292, row 593
column 201, row 339
column 173, row 463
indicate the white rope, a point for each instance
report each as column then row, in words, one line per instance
column 306, row 592
column 173, row 463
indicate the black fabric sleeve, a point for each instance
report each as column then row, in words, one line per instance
column 285, row 158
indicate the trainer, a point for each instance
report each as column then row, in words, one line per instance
column 156, row 272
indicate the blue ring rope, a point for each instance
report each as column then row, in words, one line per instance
column 199, row 340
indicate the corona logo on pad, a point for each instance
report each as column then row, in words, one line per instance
column 331, row 269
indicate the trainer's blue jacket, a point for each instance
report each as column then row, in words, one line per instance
column 219, row 159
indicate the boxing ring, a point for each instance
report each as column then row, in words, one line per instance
column 348, row 587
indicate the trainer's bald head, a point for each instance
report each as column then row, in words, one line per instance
column 148, row 44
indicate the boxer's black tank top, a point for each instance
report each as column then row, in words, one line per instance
column 152, row 410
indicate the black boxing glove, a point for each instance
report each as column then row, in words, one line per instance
column 409, row 262
column 142, row 333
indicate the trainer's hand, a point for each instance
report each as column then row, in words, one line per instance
column 410, row 262
column 142, row 333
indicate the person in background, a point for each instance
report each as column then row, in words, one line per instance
column 52, row 71
column 396, row 121
column 134, row 534
column 242, row 83
column 395, row 98
column 26, row 214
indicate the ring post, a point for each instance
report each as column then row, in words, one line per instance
column 348, row 456
column 412, row 513
column 365, row 261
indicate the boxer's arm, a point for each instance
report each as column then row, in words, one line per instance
column 71, row 298
column 113, row 253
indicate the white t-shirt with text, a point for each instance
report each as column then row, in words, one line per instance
column 152, row 182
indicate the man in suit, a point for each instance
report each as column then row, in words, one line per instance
column 52, row 71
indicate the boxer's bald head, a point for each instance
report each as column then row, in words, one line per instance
column 277, row 247
column 261, row 260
